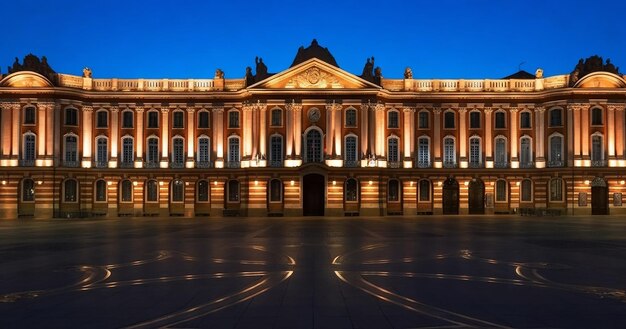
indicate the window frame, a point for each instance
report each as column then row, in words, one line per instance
column 121, row 191
column 521, row 120
column 148, row 183
column 280, row 117
column 562, row 189
column 71, row 120
column 96, row 194
column 521, row 192
column 398, row 190
column 496, row 191
column 25, row 110
column 174, row 185
column 208, row 119
column 208, row 193
column 426, row 113
column 271, row 190
column 346, row 124
column 106, row 119
column 125, row 113
column 178, row 115
column 231, row 114
column 419, row 192
column 447, row 114
column 228, row 191
column 497, row 114
column 32, row 195
column 345, row 193
column 156, row 114
column 560, row 117
column 64, row 190
column 471, row 121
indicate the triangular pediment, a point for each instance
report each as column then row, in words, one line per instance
column 313, row 74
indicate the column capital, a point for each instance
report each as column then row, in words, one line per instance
column 437, row 110
column 408, row 109
column 379, row 107
column 87, row 108
column 218, row 109
column 615, row 107
column 577, row 106
column 293, row 106
column 364, row 106
column 139, row 109
column 114, row 109
column 462, row 110
column 540, row 109
column 165, row 110
column 259, row 105
column 191, row 110
column 513, row 110
column 45, row 106
column 488, row 110
column 333, row 107
column 11, row 105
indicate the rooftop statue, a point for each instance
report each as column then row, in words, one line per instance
column 590, row 65
column 34, row 64
column 249, row 77
column 261, row 69
column 314, row 51
column 87, row 73
column 408, row 73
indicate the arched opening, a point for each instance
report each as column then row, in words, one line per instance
column 450, row 197
column 26, row 197
column 476, row 198
column 599, row 197
column 394, row 197
column 203, row 198
column 275, row 197
column 313, row 195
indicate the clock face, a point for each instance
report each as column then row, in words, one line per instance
column 314, row 115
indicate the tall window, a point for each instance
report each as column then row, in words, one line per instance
column 474, row 149
column 178, row 151
column 556, row 190
column 500, row 157
column 179, row 120
column 352, row 190
column 500, row 120
column 29, row 115
column 233, row 190
column 101, row 190
column 448, row 120
column 501, row 192
column 153, row 119
column 524, row 120
column 422, row 118
column 474, row 120
column 70, row 190
column 556, row 150
column 276, row 151
column 393, row 155
column 29, row 147
column 178, row 190
column 313, row 146
column 152, row 191
column 71, row 149
column 350, row 118
column 351, row 156
column 449, row 152
column 203, row 190
column 393, row 190
column 596, row 116
column 556, row 119
column 71, row 117
column 276, row 190
column 424, row 193
column 526, row 157
column 28, row 190
column 233, row 119
column 392, row 119
column 127, row 151
column 597, row 144
column 204, row 147
column 102, row 119
column 423, row 152
column 127, row 119
column 203, row 119
column 526, row 190
column 233, row 150
column 126, row 192
column 152, row 154
column 102, row 151
column 276, row 117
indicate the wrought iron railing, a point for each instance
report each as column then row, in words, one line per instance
column 423, row 164
column 449, row 164
column 351, row 163
column 555, row 163
column 27, row 162
column 501, row 164
column 127, row 164
column 394, row 164
column 527, row 165
column 177, row 165
column 100, row 164
column 233, row 164
column 71, row 164
column 204, row 164
column 475, row 165
column 599, row 163
column 276, row 163
column 151, row 164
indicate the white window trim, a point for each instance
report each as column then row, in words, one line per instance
column 282, row 146
column 158, row 188
column 427, row 116
column 550, row 117
column 172, row 148
column 147, row 148
column 238, row 119
column 198, row 147
column 345, row 146
column 148, row 119
column 602, row 148
column 428, row 153
column 122, row 148
column 399, row 191
column 281, row 117
column 393, row 136
column 132, row 191
column 480, row 119
column 356, row 119
column 173, row 114
column 506, row 147
column 171, row 191
column 107, row 123
column 530, row 149
column 419, row 191
column 495, row 115
column 443, row 147
column 563, row 191
column 506, row 191
column 70, row 134
column 208, row 192
column 96, row 156
column 358, row 190
column 443, row 121
column 95, row 191
column 562, row 146
column 530, row 119
column 305, row 140
column 24, row 115
column 77, row 191
column 389, row 119
column 122, row 119
column 532, row 187
column 228, row 146
column 65, row 116
column 480, row 148
column 228, row 191
column 591, row 116
column 29, row 133
column 198, row 118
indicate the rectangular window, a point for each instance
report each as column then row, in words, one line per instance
column 102, row 119
column 423, row 120
column 29, row 115
column 127, row 119
column 351, row 118
column 203, row 119
column 153, row 119
column 393, row 120
column 276, row 119
column 233, row 119
column 71, row 117
column 179, row 120
column 474, row 120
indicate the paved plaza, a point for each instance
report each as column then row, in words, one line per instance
column 394, row 272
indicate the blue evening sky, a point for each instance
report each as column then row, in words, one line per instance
column 190, row 39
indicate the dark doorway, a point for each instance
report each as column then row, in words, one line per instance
column 313, row 194
column 599, row 197
column 450, row 197
column 476, row 201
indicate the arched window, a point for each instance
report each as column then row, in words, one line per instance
column 28, row 190
column 500, row 156
column 596, row 116
column 203, row 152
column 70, row 190
column 393, row 120
column 556, row 190
column 448, row 120
column 127, row 151
column 351, row 157
column 233, row 119
column 276, row 190
column 526, row 190
column 276, row 150
column 350, row 118
column 500, row 120
column 313, row 146
column 556, row 151
column 102, row 152
column 423, row 120
column 29, row 115
column 276, row 119
column 393, row 154
column 126, row 191
column 152, row 191
column 525, row 152
column 597, row 150
column 449, row 152
column 28, row 152
column 233, row 190
column 153, row 119
column 177, row 190
column 178, row 152
column 474, row 152
column 179, row 119
column 71, row 116
column 424, row 192
column 556, row 117
column 203, row 191
column 423, row 152
column 203, row 119
column 474, row 117
column 152, row 152
column 393, row 190
column 501, row 191
column 71, row 151
column 100, row 190
column 524, row 120
column 102, row 119
column 127, row 119
column 352, row 190
column 233, row 152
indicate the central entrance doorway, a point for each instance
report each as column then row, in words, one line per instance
column 450, row 197
column 476, row 196
column 313, row 195
column 599, row 197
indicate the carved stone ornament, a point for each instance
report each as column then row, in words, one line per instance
column 315, row 78
column 314, row 115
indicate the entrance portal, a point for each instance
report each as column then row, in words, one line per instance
column 450, row 197
column 313, row 195
column 599, row 197
column 476, row 201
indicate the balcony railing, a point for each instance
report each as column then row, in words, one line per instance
column 423, row 164
column 501, row 164
column 233, row 164
column 177, row 165
column 475, row 165
column 351, row 163
column 127, row 164
column 599, row 163
column 151, row 164
column 71, row 164
column 449, row 164
column 27, row 162
column 394, row 164
column 100, row 164
column 527, row 165
column 275, row 163
column 204, row 164
column 555, row 163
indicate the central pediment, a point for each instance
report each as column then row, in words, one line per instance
column 314, row 74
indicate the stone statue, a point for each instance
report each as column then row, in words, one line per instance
column 609, row 67
column 592, row 64
column 368, row 69
column 33, row 63
column 539, row 73
column 408, row 73
column 261, row 69
column 249, row 76
column 573, row 77
column 219, row 74
column 87, row 73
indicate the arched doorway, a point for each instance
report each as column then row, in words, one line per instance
column 476, row 197
column 313, row 195
column 599, row 197
column 450, row 197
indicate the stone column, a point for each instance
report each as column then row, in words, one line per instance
column 297, row 133
column 337, row 131
column 540, row 160
column 411, row 134
column 289, row 129
column 437, row 138
column 6, row 130
column 165, row 137
column 15, row 128
column 87, row 135
column 610, row 133
column 139, row 138
column 114, row 136
column 462, row 138
column 50, row 130
column 262, row 130
column 380, row 131
column 191, row 136
column 514, row 138
column 576, row 127
column 330, row 128
column 372, row 131
column 585, row 140
column 218, row 136
column 41, row 130
column 488, row 138
column 254, row 132
column 406, row 134
column 364, row 131
column 619, row 133
column 56, row 155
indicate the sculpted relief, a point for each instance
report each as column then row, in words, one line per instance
column 314, row 78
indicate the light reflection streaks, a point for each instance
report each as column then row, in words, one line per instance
column 527, row 274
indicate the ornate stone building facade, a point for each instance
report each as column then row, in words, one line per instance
column 311, row 140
